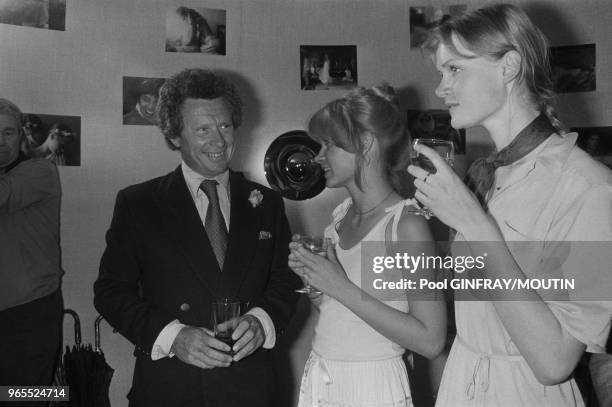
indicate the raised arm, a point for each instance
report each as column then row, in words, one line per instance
column 552, row 336
column 550, row 349
column 30, row 182
column 422, row 329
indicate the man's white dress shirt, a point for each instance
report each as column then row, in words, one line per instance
column 165, row 339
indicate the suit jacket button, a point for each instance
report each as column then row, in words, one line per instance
column 185, row 307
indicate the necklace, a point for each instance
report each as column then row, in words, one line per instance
column 377, row 205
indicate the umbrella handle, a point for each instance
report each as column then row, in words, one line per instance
column 97, row 333
column 77, row 326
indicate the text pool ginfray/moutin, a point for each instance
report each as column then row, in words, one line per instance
column 511, row 284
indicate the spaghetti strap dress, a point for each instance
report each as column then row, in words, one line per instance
column 351, row 364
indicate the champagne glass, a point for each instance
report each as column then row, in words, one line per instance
column 317, row 245
column 446, row 150
column 225, row 314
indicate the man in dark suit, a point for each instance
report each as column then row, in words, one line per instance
column 178, row 242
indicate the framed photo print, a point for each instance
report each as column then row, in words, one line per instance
column 195, row 29
column 328, row 67
column 140, row 99
column 425, row 17
column 573, row 68
column 47, row 14
column 56, row 138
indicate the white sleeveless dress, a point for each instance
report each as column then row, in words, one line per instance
column 351, row 364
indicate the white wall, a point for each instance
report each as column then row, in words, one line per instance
column 79, row 72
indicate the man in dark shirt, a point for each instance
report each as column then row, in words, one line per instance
column 30, row 273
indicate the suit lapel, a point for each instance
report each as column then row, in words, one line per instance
column 181, row 220
column 241, row 243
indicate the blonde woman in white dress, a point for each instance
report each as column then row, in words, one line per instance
column 359, row 340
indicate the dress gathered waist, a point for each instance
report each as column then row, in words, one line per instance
column 355, row 360
column 371, row 377
column 480, row 376
column 495, row 356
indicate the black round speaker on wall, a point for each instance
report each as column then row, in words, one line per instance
column 290, row 167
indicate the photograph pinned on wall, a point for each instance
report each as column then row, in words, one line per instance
column 597, row 141
column 56, row 138
column 46, row 14
column 573, row 68
column 435, row 123
column 328, row 67
column 140, row 99
column 425, row 17
column 195, row 29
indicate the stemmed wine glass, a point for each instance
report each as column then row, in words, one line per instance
column 446, row 150
column 317, row 245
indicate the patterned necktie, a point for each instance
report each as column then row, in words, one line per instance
column 214, row 222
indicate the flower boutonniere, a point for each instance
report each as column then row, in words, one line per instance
column 256, row 198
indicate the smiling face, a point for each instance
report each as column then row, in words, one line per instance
column 207, row 139
column 147, row 104
column 472, row 87
column 337, row 163
column 10, row 139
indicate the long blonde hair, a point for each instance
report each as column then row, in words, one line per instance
column 375, row 111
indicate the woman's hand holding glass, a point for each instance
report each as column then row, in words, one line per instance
column 444, row 148
column 317, row 245
column 445, row 194
column 323, row 273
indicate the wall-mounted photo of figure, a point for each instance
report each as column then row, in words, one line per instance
column 435, row 123
column 56, row 138
column 47, row 14
column 597, row 141
column 194, row 29
column 573, row 68
column 139, row 100
column 426, row 17
column 326, row 67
